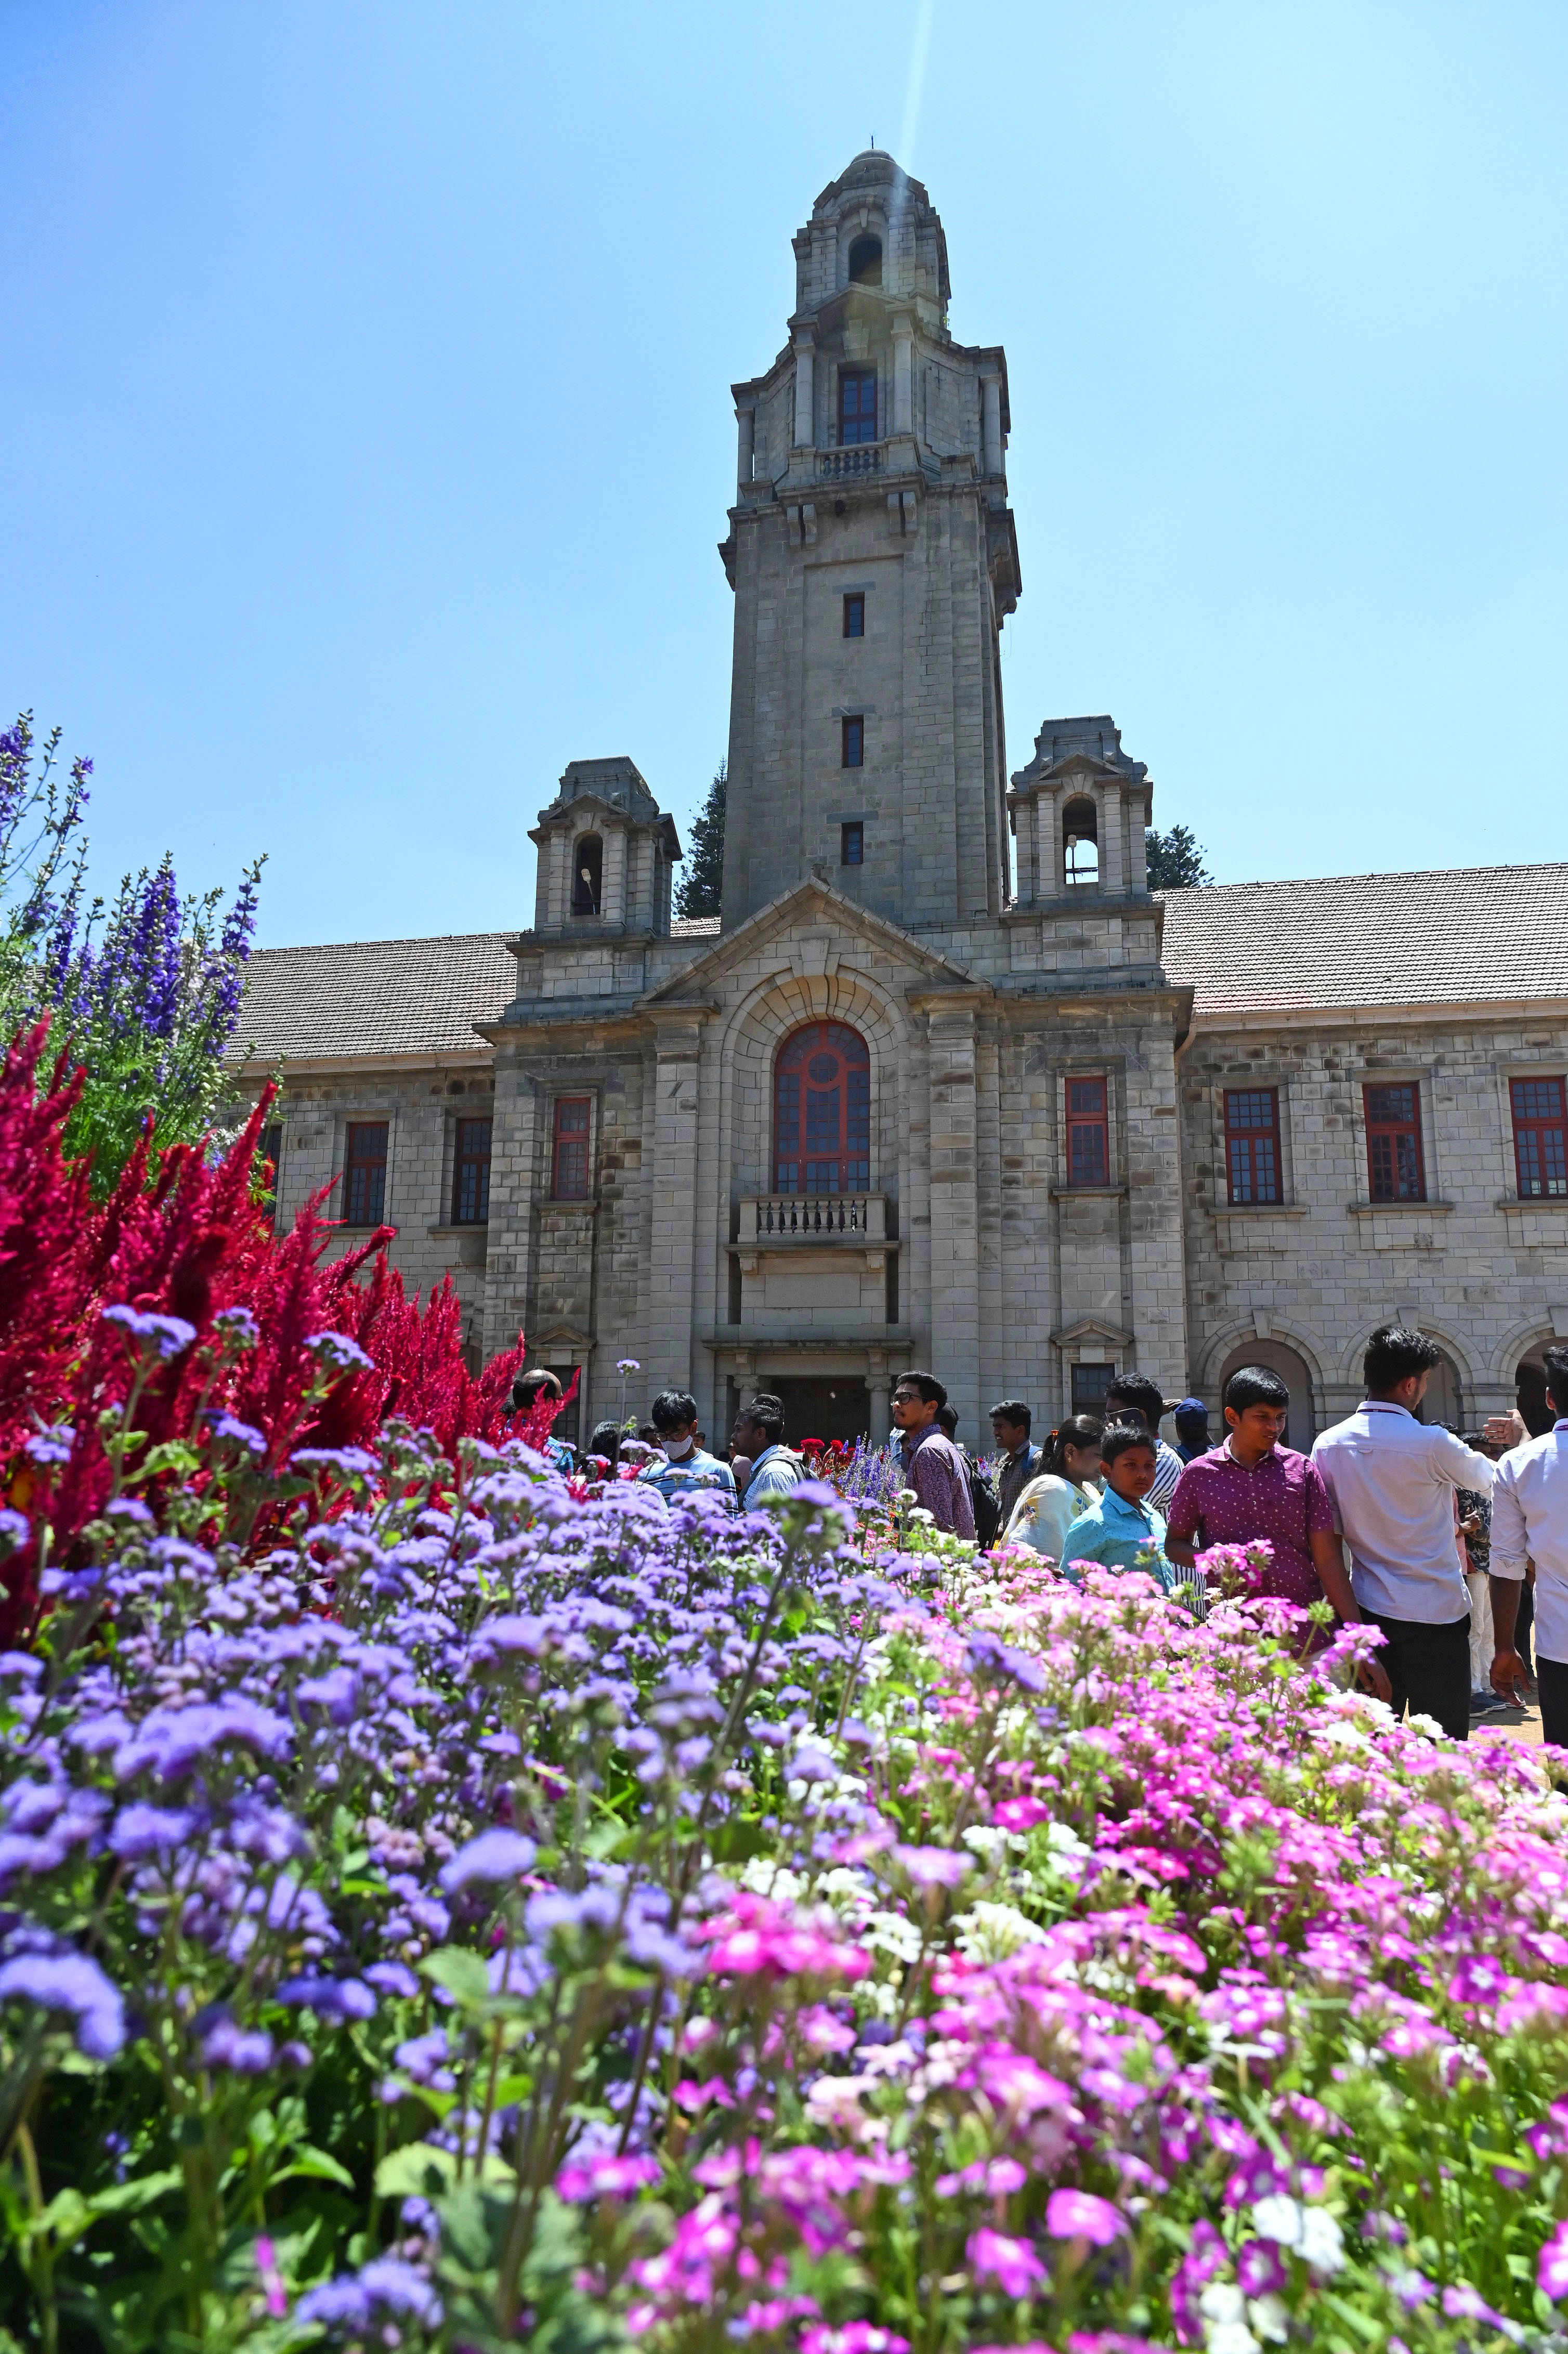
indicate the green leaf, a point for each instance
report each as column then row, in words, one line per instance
column 460, row 1972
column 415, row 2171
column 316, row 2162
column 738, row 1841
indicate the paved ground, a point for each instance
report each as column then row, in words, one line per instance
column 1518, row 1724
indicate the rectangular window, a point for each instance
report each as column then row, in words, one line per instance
column 1539, row 1138
column 365, row 1174
column 567, row 1425
column 471, row 1174
column 1090, row 1383
column 857, row 405
column 851, row 845
column 271, row 1153
column 854, row 617
column 854, row 743
column 1088, row 1140
column 1395, row 1170
column 1251, row 1143
column 569, row 1175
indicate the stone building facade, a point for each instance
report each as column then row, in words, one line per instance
column 946, row 1083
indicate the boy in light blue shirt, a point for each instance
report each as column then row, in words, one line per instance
column 1122, row 1530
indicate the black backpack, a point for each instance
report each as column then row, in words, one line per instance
column 985, row 1504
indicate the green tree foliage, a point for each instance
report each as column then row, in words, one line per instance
column 143, row 991
column 703, row 878
column 1175, row 860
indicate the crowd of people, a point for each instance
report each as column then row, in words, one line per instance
column 1454, row 1548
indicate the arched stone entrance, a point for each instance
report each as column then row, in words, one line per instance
column 1302, row 1428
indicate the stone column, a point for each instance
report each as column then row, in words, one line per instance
column 955, row 1224
column 1112, row 819
column 673, row 1171
column 745, row 418
column 509, row 1239
column 560, row 877
column 612, row 886
column 805, row 393
column 879, row 1388
column 903, row 351
column 990, row 417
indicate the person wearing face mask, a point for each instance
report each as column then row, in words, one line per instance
column 681, row 1465
column 1062, row 1490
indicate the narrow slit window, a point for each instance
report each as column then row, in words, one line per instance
column 1251, row 1143
column 1088, row 1137
column 851, row 845
column 471, row 1174
column 569, row 1174
column 365, row 1174
column 1080, row 844
column 854, row 616
column 272, row 1155
column 1394, row 1168
column 587, row 875
column 1539, row 1138
column 853, row 743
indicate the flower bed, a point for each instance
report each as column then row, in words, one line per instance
column 494, row 1914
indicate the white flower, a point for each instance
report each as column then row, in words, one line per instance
column 1269, row 2319
column 1277, row 2217
column 988, row 1932
column 1418, row 1721
column 1322, row 2243
column 765, row 1878
column 1232, row 2337
column 1063, row 1839
column 1224, row 2308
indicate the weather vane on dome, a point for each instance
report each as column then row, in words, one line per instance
column 873, row 142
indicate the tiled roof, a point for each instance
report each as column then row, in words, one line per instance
column 374, row 997
column 1453, row 937
column 695, row 927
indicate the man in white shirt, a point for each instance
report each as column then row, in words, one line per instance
column 1391, row 1481
column 1530, row 1518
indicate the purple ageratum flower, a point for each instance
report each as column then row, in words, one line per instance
column 243, row 1434
column 52, row 1446
column 171, row 1741
column 393, row 1978
column 169, row 1335
column 1079, row 2215
column 493, row 1855
column 933, row 1867
column 352, row 1462
column 990, row 1656
column 129, row 1507
column 330, row 1998
column 71, row 1982
column 386, row 2284
column 13, row 1532
column 248, row 2051
column 140, row 1831
column 1011, row 2264
column 336, row 1349
column 238, row 1325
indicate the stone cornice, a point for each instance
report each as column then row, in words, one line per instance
column 1298, row 1016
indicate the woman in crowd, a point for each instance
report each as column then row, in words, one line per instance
column 1047, row 1508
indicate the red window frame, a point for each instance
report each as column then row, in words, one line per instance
column 569, row 1153
column 1539, row 1107
column 1252, row 1144
column 1088, row 1133
column 471, row 1172
column 857, row 405
column 1396, row 1166
column 365, row 1173
column 821, row 1112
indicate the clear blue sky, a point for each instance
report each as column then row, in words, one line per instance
column 367, row 433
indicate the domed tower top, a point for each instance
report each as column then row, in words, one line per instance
column 874, row 227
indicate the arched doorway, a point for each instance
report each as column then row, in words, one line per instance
column 1302, row 1428
column 1445, row 1398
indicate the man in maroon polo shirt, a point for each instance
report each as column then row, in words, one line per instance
column 1253, row 1487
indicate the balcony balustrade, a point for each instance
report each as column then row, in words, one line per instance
column 863, row 458
column 776, row 1220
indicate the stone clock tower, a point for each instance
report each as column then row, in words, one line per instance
column 873, row 560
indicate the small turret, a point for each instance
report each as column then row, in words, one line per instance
column 606, row 854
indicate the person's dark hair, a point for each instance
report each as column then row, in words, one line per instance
column 1193, row 1418
column 648, row 1432
column 527, row 1387
column 1080, row 1430
column 1012, row 1410
column 1121, row 1436
column 606, row 1441
column 948, row 1420
column 1137, row 1392
column 1255, row 1386
column 1392, row 1355
column 767, row 1413
column 673, row 1410
column 930, row 1389
column 1557, row 1378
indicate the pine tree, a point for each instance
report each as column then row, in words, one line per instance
column 704, row 879
column 1175, row 860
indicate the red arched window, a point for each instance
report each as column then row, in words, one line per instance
column 821, row 1112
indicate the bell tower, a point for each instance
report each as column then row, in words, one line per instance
column 873, row 560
